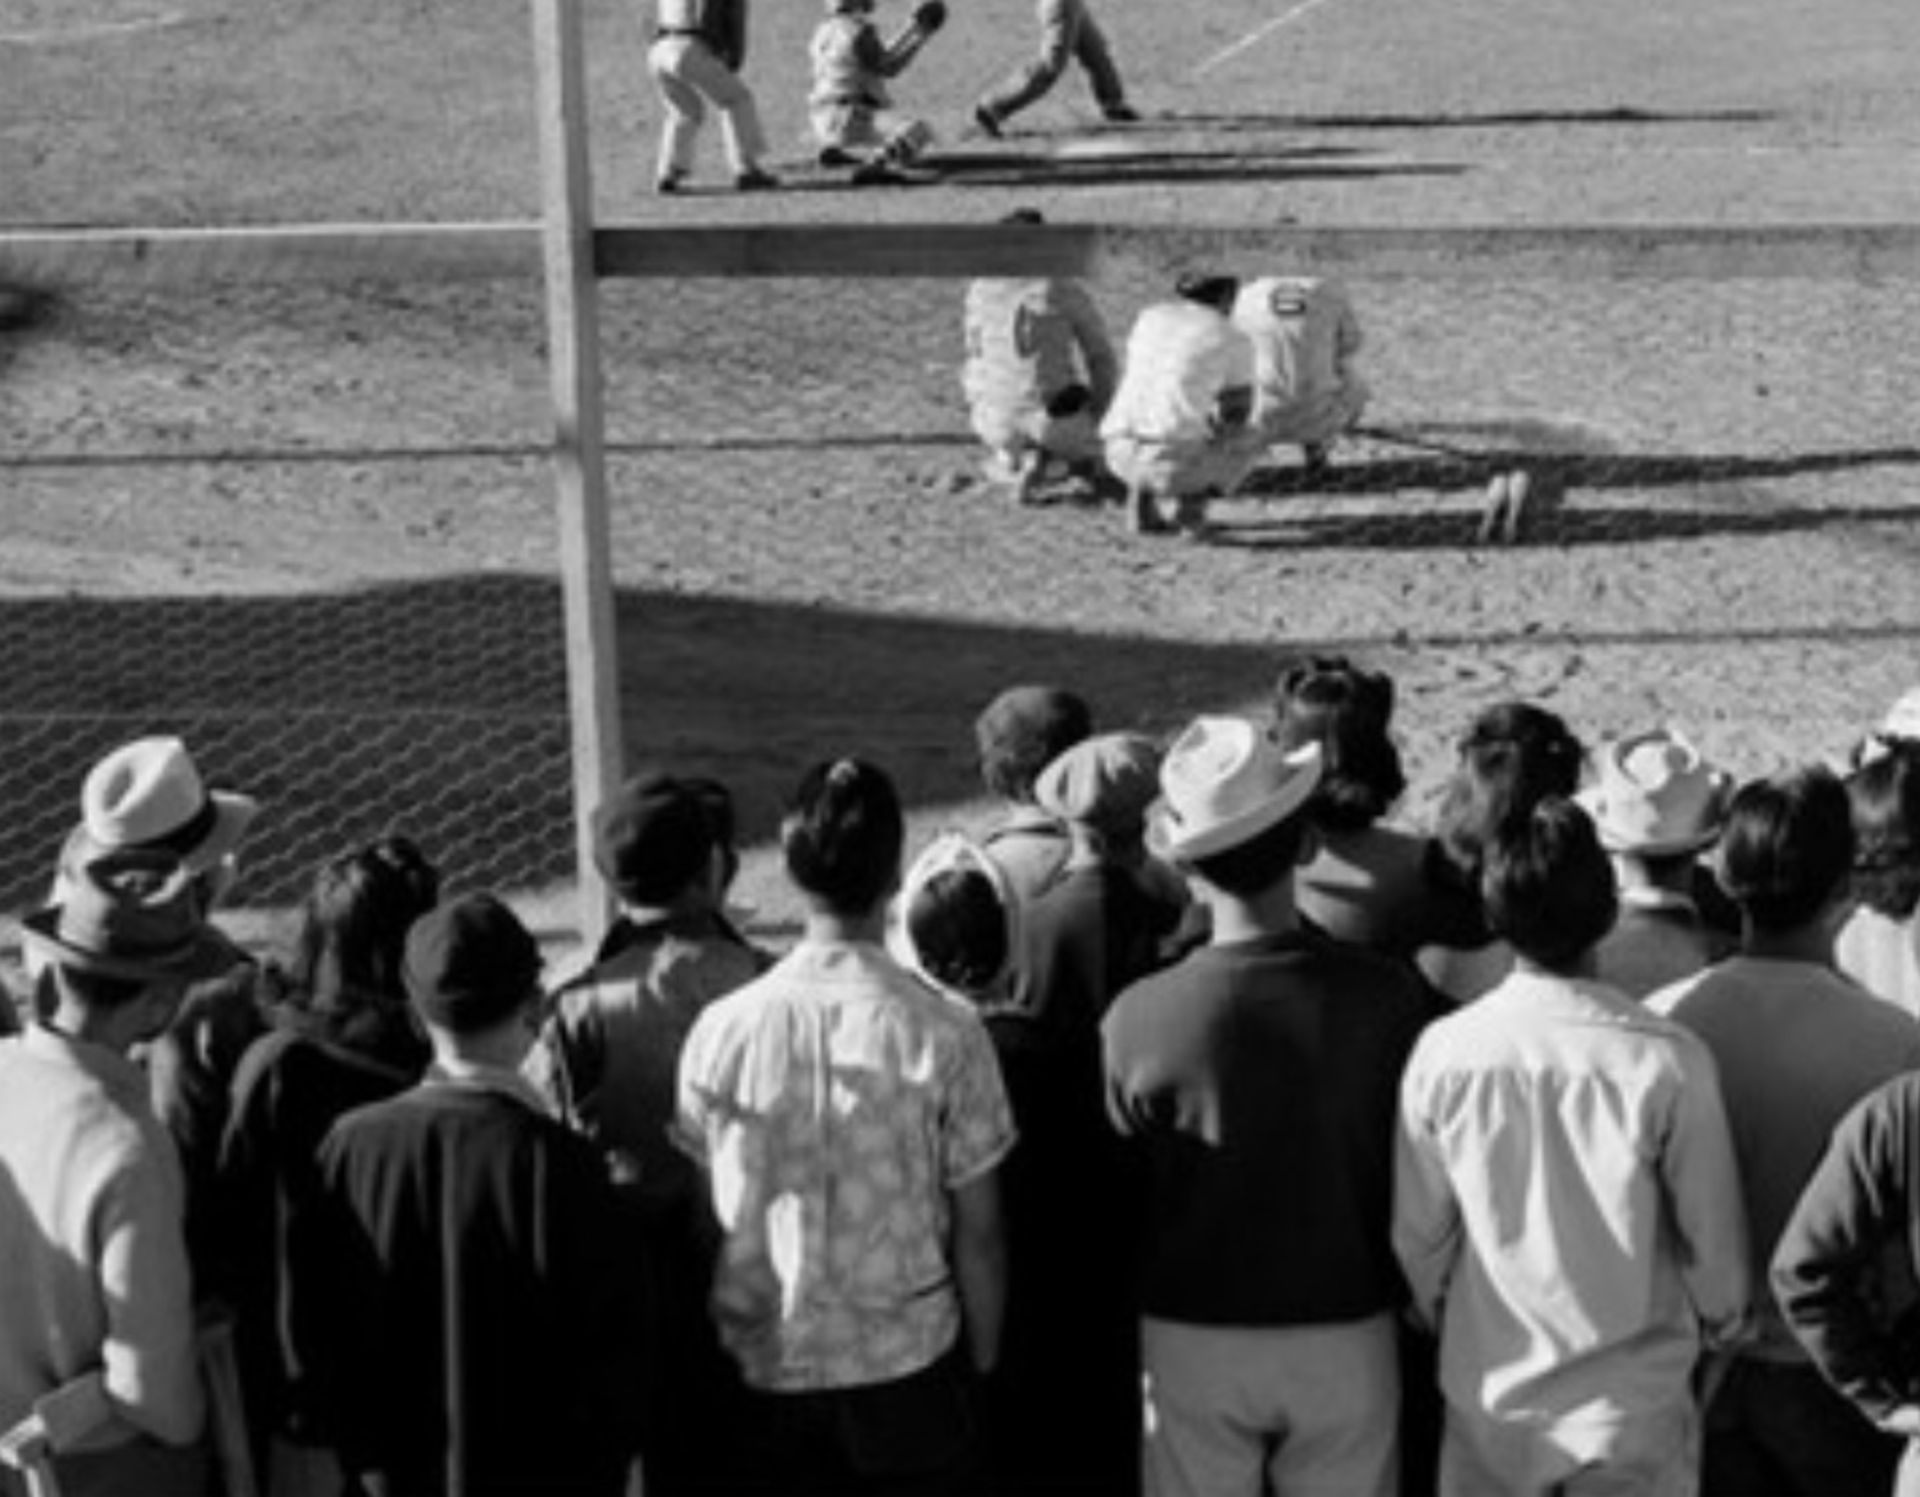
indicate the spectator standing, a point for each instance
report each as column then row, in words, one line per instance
column 1367, row 881
column 1513, row 756
column 1566, row 1204
column 1039, row 374
column 851, row 1123
column 1848, row 1260
column 149, row 795
column 1657, row 805
column 1108, row 918
column 1254, row 1082
column 1797, row 1045
column 96, row 1300
column 1177, row 429
column 1064, row 1401
column 1018, row 734
column 472, row 1324
column 342, row 1036
column 1068, row 33
column 608, row 1058
column 696, row 57
column 1879, row 945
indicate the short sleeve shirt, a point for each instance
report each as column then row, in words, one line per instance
column 836, row 1101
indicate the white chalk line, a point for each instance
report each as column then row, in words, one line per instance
column 1256, row 35
column 51, row 36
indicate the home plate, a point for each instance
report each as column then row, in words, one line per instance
column 1092, row 147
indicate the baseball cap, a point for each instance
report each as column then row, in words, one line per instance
column 470, row 963
column 652, row 837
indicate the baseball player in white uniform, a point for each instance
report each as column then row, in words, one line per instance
column 695, row 61
column 854, row 121
column 1068, row 32
column 1306, row 391
column 1178, row 428
column 1039, row 373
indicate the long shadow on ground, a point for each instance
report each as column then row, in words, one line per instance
column 1487, row 120
column 439, row 708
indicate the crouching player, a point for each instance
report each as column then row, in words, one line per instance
column 1306, row 392
column 1178, row 428
column 1039, row 375
column 854, row 121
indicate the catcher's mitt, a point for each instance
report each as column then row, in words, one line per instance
column 930, row 15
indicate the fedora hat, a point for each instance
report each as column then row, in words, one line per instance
column 130, row 914
column 1224, row 781
column 149, row 794
column 1656, row 795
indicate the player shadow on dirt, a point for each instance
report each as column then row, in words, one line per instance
column 1017, row 169
column 23, row 313
column 1711, row 482
column 438, row 708
column 1468, row 120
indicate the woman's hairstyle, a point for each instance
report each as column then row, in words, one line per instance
column 842, row 835
column 1787, row 848
column 1513, row 756
column 1885, row 794
column 352, row 935
column 1349, row 713
column 1547, row 884
column 959, row 930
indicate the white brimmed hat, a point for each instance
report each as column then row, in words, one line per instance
column 1655, row 795
column 951, row 852
column 1224, row 781
column 1903, row 717
column 149, row 794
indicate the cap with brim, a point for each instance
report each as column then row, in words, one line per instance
column 1106, row 782
column 1224, row 782
column 469, row 962
column 130, row 914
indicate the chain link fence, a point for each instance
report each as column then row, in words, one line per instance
column 809, row 560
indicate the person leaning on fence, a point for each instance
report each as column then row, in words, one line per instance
column 341, row 1035
column 1254, row 1084
column 1658, row 806
column 96, row 1302
column 469, row 1311
column 607, row 1057
column 696, row 57
column 854, row 121
column 1796, row 1045
column 1566, row 1200
column 850, row 1124
column 1177, row 430
column 1068, row 33
column 1306, row 391
column 1038, row 376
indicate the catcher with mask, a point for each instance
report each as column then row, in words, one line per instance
column 854, row 120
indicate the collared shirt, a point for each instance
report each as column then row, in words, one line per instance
column 1181, row 356
column 92, row 1238
column 836, row 1102
column 1796, row 1045
column 1566, row 1205
column 478, row 1076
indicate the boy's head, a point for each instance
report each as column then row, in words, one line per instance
column 1022, row 731
column 1548, row 886
column 471, row 966
column 1787, row 852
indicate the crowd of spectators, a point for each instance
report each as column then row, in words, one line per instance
column 1210, row 1125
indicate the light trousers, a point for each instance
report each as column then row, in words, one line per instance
column 689, row 77
column 1068, row 32
column 1300, row 1411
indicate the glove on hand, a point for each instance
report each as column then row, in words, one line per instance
column 930, row 15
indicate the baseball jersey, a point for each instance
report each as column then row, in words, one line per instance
column 1181, row 356
column 721, row 24
column 1304, row 333
column 1028, row 340
column 847, row 55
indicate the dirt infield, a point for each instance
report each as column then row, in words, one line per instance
column 290, row 519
